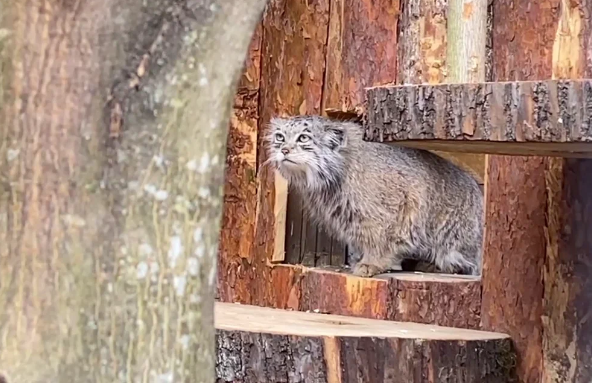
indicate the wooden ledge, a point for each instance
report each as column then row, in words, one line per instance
column 516, row 118
column 255, row 344
column 236, row 317
column 444, row 300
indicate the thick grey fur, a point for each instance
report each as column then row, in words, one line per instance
column 389, row 203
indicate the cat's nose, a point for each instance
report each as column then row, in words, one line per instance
column 285, row 151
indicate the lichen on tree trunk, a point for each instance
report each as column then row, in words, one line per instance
column 114, row 118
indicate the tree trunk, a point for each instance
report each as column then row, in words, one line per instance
column 514, row 252
column 114, row 122
column 262, row 345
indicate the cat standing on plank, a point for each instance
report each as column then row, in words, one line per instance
column 388, row 203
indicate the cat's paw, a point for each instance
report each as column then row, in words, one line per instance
column 366, row 270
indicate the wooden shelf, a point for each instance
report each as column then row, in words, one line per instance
column 256, row 344
column 446, row 300
column 517, row 118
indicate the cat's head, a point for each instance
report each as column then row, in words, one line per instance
column 306, row 148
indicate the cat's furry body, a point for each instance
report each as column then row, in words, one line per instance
column 388, row 203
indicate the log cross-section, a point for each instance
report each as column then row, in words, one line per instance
column 263, row 345
column 522, row 118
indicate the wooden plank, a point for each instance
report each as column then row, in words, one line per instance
column 308, row 241
column 362, row 50
column 466, row 61
column 404, row 297
column 280, row 212
column 293, row 64
column 554, row 113
column 523, row 34
column 567, row 338
column 240, row 188
column 293, row 239
column 323, row 251
column 306, row 345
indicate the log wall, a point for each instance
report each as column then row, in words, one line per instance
column 308, row 57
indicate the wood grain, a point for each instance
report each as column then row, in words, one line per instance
column 240, row 187
column 111, row 180
column 534, row 112
column 401, row 296
column 513, row 282
column 567, row 338
column 293, row 68
column 262, row 345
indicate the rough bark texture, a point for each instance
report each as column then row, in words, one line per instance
column 299, row 347
column 361, row 50
column 567, row 334
column 523, row 117
column 422, row 42
column 114, row 119
column 443, row 300
column 293, row 68
column 467, row 37
column 522, row 41
column 240, row 187
column 513, row 257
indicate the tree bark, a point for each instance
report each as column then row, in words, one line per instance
column 567, row 334
column 262, row 345
column 521, row 117
column 114, row 123
column 513, row 282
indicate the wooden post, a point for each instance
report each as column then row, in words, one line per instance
column 282, row 346
column 514, row 255
column 112, row 140
column 567, row 322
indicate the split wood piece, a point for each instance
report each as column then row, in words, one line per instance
column 517, row 118
column 445, row 300
column 260, row 345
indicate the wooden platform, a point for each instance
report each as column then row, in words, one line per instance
column 551, row 117
column 260, row 345
column 401, row 296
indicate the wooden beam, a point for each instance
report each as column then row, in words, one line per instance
column 515, row 197
column 237, row 236
column 500, row 117
column 567, row 334
column 262, row 345
column 406, row 297
column 292, row 69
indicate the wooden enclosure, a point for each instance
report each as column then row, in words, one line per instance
column 501, row 65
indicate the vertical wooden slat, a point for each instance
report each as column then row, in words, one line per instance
column 567, row 313
column 293, row 51
column 293, row 237
column 513, row 288
column 240, row 187
column 323, row 252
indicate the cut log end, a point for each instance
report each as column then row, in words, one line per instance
column 550, row 118
column 256, row 344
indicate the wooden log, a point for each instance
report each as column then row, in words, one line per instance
column 292, row 70
column 361, row 50
column 113, row 122
column 262, row 345
column 235, row 260
column 515, row 197
column 567, row 338
column 522, row 117
column 444, row 300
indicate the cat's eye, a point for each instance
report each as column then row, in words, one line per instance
column 303, row 138
column 279, row 137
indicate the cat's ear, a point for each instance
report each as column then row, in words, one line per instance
column 336, row 137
